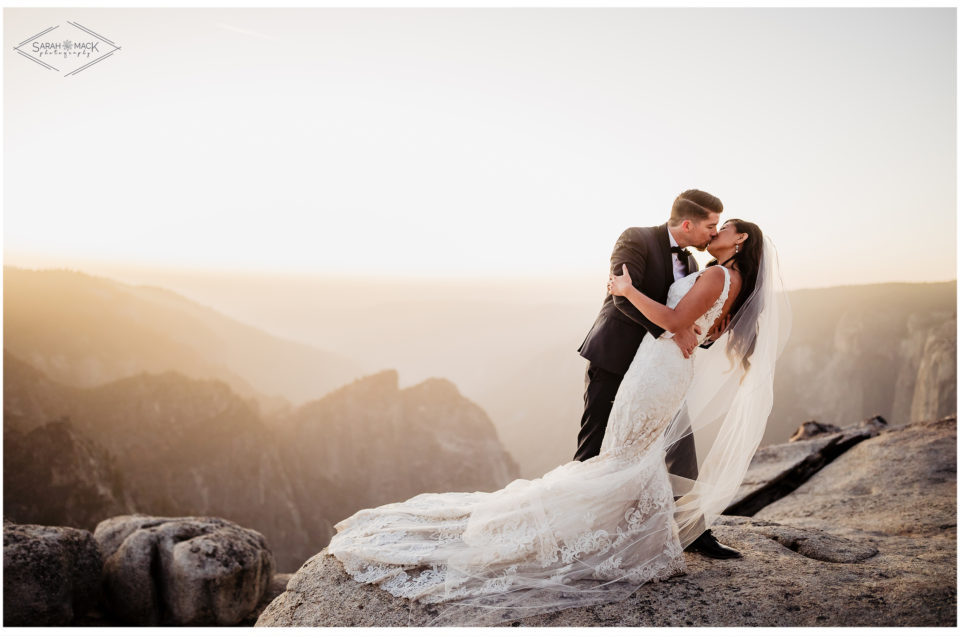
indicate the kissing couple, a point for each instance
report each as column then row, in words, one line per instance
column 676, row 356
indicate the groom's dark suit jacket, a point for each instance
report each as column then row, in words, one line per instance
column 616, row 334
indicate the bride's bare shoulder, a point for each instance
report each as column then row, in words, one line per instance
column 709, row 283
column 712, row 275
column 713, row 279
column 716, row 273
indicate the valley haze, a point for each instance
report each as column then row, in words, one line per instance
column 510, row 346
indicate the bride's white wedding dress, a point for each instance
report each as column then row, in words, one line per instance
column 584, row 533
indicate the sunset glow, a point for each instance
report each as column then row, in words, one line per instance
column 499, row 143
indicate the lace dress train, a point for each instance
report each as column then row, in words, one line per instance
column 584, row 533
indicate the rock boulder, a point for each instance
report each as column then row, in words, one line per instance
column 182, row 571
column 51, row 575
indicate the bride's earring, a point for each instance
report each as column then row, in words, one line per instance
column 736, row 248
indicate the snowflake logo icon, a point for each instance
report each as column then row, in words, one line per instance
column 67, row 45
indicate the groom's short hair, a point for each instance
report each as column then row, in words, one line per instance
column 695, row 205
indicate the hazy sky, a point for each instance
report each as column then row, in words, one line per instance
column 483, row 142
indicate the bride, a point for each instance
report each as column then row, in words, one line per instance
column 590, row 532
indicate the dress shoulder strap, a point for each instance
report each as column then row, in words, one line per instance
column 726, row 284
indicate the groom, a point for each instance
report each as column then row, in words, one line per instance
column 656, row 257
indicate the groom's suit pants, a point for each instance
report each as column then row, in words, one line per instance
column 601, row 389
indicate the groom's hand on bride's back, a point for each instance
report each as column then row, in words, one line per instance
column 716, row 331
column 686, row 339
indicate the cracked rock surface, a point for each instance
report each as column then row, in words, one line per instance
column 868, row 540
column 776, row 471
column 182, row 571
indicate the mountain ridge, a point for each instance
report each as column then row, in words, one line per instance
column 179, row 446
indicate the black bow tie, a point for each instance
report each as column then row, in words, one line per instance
column 680, row 251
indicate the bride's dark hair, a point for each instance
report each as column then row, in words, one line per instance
column 747, row 261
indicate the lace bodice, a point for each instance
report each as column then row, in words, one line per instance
column 680, row 288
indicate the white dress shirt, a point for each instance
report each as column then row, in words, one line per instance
column 679, row 269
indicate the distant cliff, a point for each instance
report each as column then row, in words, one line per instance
column 374, row 443
column 53, row 475
column 855, row 351
column 165, row 444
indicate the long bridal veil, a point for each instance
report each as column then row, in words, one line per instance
column 587, row 532
column 727, row 405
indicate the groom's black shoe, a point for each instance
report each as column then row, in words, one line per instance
column 708, row 545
